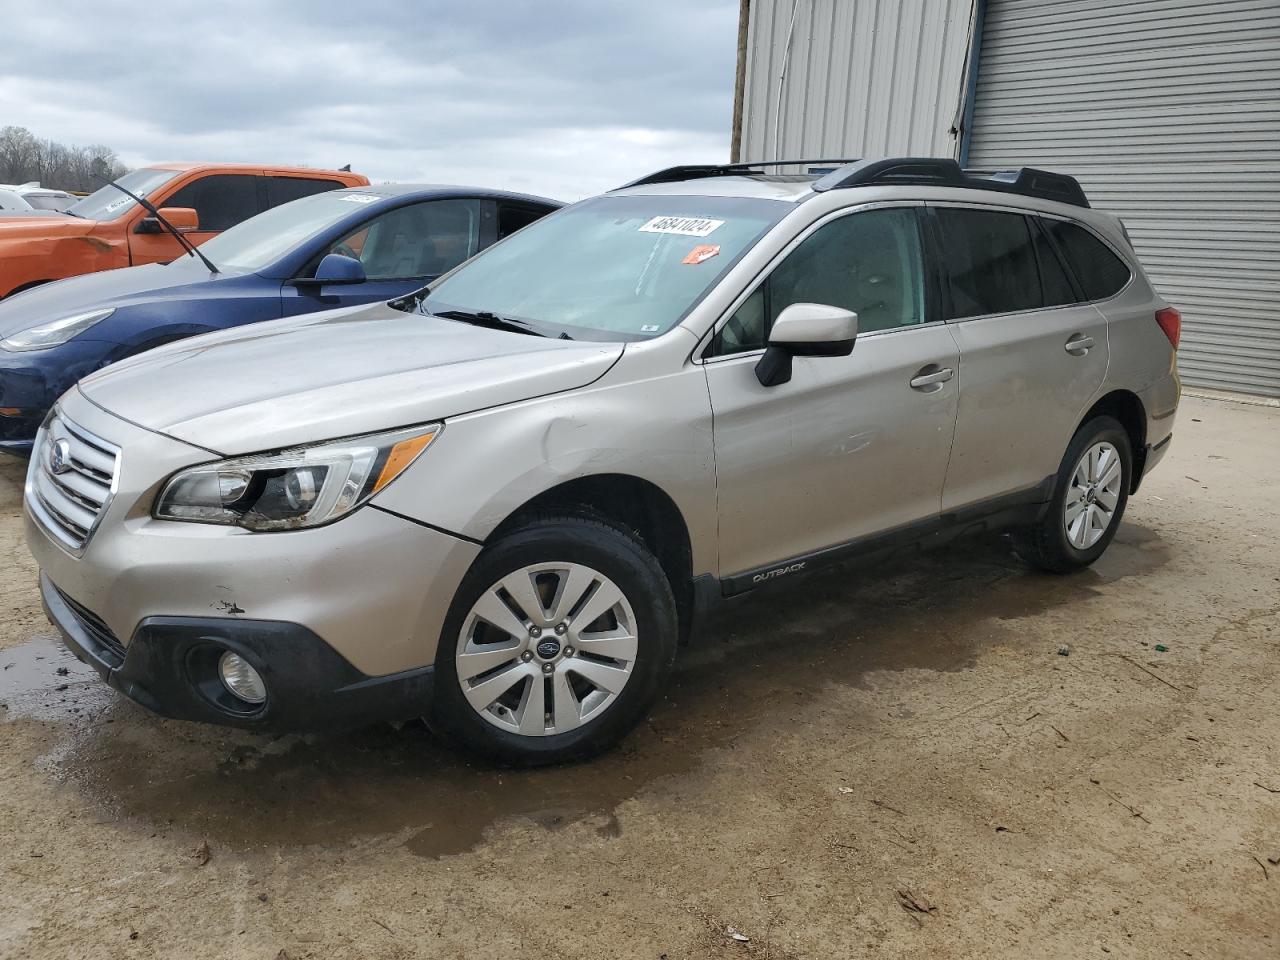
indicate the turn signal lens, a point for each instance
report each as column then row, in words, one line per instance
column 1170, row 321
column 401, row 455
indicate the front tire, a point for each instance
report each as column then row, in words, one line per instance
column 558, row 641
column 1089, row 497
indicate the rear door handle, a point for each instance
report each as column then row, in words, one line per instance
column 931, row 376
column 1078, row 345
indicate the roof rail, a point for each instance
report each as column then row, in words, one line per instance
column 699, row 171
column 939, row 172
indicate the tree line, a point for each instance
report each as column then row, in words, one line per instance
column 24, row 158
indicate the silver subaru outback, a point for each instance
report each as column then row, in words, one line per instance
column 504, row 502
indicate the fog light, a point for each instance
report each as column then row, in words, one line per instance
column 241, row 679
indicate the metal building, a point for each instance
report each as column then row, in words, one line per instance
column 1168, row 112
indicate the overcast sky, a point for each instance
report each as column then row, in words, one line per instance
column 560, row 97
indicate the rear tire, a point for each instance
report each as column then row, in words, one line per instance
column 557, row 643
column 1089, row 497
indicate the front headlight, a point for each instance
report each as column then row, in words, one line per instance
column 55, row 332
column 299, row 488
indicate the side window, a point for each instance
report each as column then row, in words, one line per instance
column 870, row 263
column 283, row 189
column 221, row 200
column 990, row 261
column 1101, row 273
column 512, row 218
column 421, row 240
column 1053, row 276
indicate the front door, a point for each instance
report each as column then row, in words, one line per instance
column 1031, row 356
column 401, row 251
column 220, row 200
column 852, row 446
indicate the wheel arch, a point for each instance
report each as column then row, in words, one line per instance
column 634, row 503
column 1127, row 407
column 30, row 284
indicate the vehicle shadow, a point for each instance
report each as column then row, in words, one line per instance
column 773, row 652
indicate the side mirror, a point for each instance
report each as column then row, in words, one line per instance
column 182, row 218
column 806, row 330
column 335, row 269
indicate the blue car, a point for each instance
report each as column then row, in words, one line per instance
column 334, row 249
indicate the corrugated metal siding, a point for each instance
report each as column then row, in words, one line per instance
column 865, row 78
column 1168, row 111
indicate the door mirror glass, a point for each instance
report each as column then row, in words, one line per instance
column 806, row 330
column 182, row 218
column 336, row 268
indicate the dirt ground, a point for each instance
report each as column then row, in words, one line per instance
column 866, row 738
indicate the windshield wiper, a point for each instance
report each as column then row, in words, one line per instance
column 491, row 321
column 150, row 208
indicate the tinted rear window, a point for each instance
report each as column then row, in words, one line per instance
column 283, row 189
column 1100, row 272
column 1053, row 276
column 990, row 262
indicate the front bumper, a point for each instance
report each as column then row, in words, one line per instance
column 331, row 610
column 170, row 667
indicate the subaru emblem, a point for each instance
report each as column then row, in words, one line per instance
column 60, row 456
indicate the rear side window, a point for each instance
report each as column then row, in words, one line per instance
column 1053, row 276
column 512, row 218
column 1100, row 272
column 990, row 261
column 283, row 189
column 221, row 200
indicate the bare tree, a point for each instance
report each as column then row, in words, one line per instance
column 23, row 158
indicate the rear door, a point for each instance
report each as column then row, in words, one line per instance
column 401, row 250
column 1032, row 354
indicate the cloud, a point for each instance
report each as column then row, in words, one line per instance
column 561, row 97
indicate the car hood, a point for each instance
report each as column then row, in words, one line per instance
column 27, row 226
column 92, row 291
column 335, row 374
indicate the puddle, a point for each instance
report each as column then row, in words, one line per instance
column 40, row 679
column 773, row 652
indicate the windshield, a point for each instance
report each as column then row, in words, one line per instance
column 48, row 201
column 108, row 203
column 264, row 239
column 610, row 268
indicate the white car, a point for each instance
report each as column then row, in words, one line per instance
column 27, row 197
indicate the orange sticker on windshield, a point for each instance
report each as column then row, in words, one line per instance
column 702, row 252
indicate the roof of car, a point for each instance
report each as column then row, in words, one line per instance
column 280, row 168
column 749, row 179
column 391, row 190
column 793, row 188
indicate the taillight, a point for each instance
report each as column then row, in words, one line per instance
column 1170, row 321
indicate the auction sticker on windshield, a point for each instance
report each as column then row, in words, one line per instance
column 361, row 198
column 682, row 226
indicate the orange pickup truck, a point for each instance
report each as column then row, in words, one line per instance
column 107, row 229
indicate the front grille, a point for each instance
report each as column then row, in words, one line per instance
column 71, row 481
column 96, row 627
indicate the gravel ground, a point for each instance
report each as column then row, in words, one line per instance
column 894, row 762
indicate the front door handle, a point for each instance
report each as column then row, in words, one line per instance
column 1078, row 345
column 931, row 378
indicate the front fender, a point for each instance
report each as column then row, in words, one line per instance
column 486, row 465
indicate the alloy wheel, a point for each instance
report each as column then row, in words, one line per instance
column 546, row 649
column 1090, row 505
